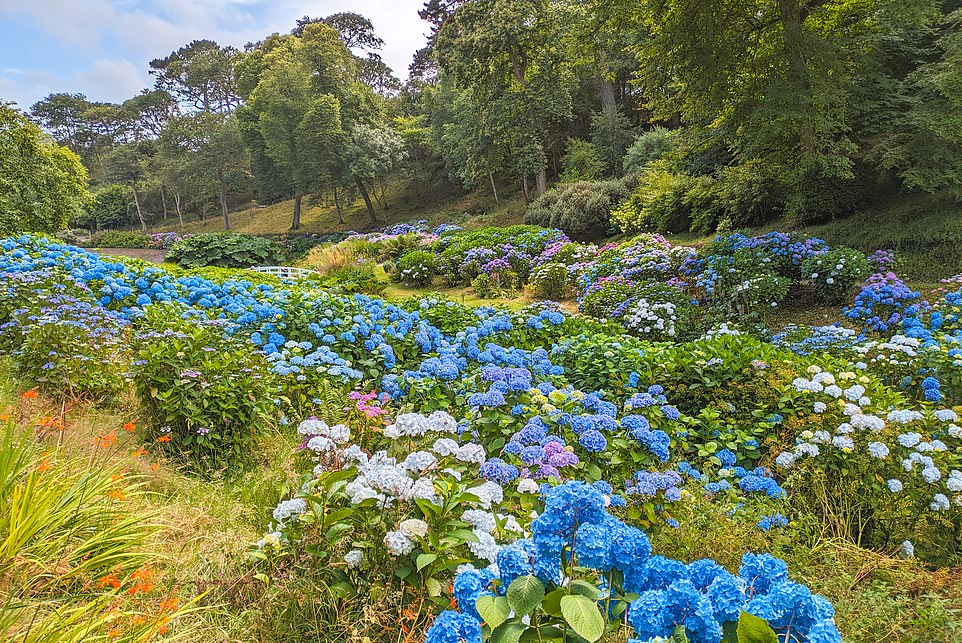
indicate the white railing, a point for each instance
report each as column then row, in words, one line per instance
column 285, row 272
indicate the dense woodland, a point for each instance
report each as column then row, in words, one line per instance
column 688, row 116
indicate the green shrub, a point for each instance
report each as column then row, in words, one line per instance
column 608, row 299
column 836, row 273
column 225, row 249
column 552, row 281
column 205, row 395
column 581, row 210
column 118, row 239
column 659, row 203
column 649, row 146
column 360, row 278
column 416, row 268
column 483, row 286
column 111, row 208
column 581, row 162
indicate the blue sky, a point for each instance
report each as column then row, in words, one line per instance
column 101, row 47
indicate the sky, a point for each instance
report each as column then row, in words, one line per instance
column 101, row 48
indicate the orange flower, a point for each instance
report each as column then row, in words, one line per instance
column 108, row 580
column 29, row 395
column 164, row 438
column 107, row 439
column 4, row 417
column 118, row 495
column 143, row 578
column 117, row 476
column 130, row 427
column 43, row 466
column 139, row 452
column 155, row 466
column 169, row 604
column 114, row 633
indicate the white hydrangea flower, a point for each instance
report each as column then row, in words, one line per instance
column 931, row 474
column 442, row 422
column 445, row 447
column 834, row 390
column 398, row 543
column 488, row 493
column 785, row 459
column 418, row 461
column 946, row 415
column 471, row 452
column 486, row 548
column 878, row 450
column 354, row 453
column 909, row 440
column 289, row 508
column 320, row 444
column 353, row 558
column 511, row 524
column 819, row 407
column 867, row 422
column 807, row 448
column 954, row 481
column 527, row 485
column 894, row 485
column 940, row 502
column 423, row 489
column 478, row 519
column 843, row 442
column 414, row 528
column 454, row 473
column 312, row 426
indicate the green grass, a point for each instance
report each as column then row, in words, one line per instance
column 925, row 230
column 408, row 198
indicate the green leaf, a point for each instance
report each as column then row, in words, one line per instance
column 583, row 616
column 584, row 588
column 752, row 629
column 508, row 632
column 494, row 610
column 423, row 560
column 433, row 586
column 679, row 635
column 525, row 594
column 551, row 605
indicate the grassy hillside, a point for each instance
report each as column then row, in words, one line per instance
column 407, row 199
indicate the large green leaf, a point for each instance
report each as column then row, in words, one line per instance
column 525, row 594
column 494, row 610
column 583, row 616
column 551, row 605
column 508, row 632
column 752, row 629
column 423, row 560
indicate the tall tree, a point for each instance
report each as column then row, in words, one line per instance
column 503, row 53
column 200, row 75
column 42, row 184
column 298, row 103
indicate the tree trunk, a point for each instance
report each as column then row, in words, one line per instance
column 163, row 199
column 337, row 206
column 791, row 18
column 140, row 213
column 180, row 210
column 367, row 200
column 223, row 201
column 542, row 181
column 297, row 211
column 524, row 188
column 494, row 188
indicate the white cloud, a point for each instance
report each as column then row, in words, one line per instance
column 25, row 86
column 111, row 41
column 111, row 80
